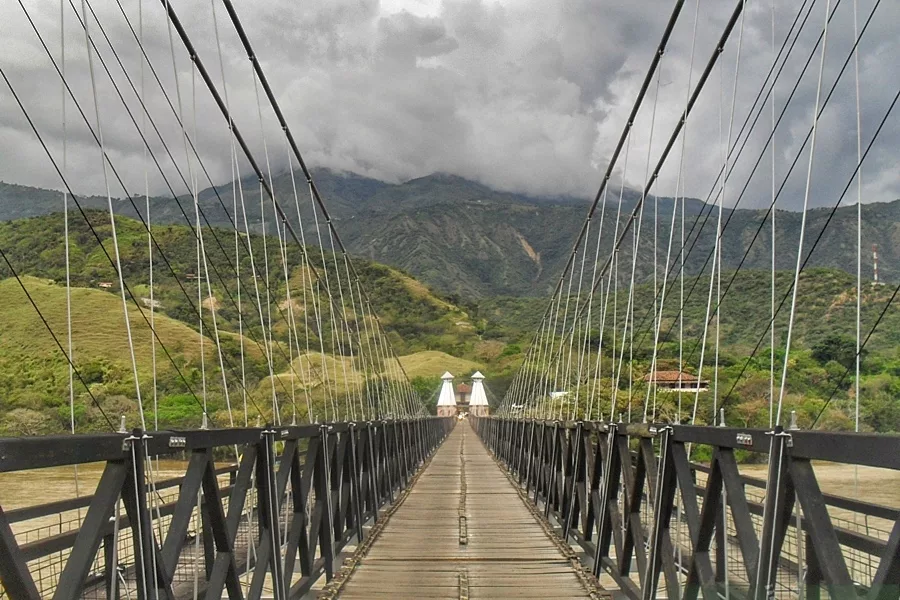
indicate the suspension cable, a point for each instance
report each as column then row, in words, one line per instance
column 294, row 147
column 112, row 218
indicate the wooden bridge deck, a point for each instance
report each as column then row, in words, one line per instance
column 464, row 532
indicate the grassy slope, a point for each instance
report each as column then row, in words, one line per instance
column 310, row 370
column 98, row 327
column 34, row 372
column 420, row 320
column 433, row 364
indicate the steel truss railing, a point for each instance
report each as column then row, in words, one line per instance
column 305, row 491
column 631, row 499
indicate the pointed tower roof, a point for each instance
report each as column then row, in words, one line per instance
column 479, row 397
column 447, row 397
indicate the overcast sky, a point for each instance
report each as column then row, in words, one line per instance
column 522, row 95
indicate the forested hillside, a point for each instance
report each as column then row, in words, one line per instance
column 424, row 329
column 464, row 238
column 430, row 331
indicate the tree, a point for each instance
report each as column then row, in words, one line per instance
column 836, row 347
column 426, row 388
column 25, row 421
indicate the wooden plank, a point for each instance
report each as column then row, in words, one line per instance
column 507, row 553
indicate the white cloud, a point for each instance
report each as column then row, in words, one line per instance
column 522, row 95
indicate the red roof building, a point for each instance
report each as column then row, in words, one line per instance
column 463, row 394
column 677, row 381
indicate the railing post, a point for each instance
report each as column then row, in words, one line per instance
column 508, row 443
column 206, row 529
column 662, row 511
column 356, row 499
column 340, row 467
column 412, row 453
column 508, row 428
column 529, row 458
column 494, row 424
column 551, row 470
column 135, row 497
column 404, row 454
column 593, row 479
column 813, row 579
column 539, row 467
column 110, row 568
column 610, row 488
column 267, row 507
column 511, row 434
column 578, row 450
column 769, row 547
column 400, row 447
column 388, row 458
column 374, row 479
column 414, row 444
column 721, row 537
column 401, row 459
column 323, row 487
column 519, row 447
column 421, row 425
column 491, row 425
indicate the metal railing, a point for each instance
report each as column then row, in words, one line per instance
column 632, row 500
column 259, row 512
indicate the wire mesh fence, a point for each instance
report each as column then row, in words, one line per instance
column 638, row 505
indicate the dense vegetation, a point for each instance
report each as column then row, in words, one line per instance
column 820, row 384
column 431, row 332
column 34, row 390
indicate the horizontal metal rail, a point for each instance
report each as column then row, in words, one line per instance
column 633, row 500
column 270, row 519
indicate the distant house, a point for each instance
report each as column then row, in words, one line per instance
column 676, row 381
column 105, row 284
column 151, row 303
column 463, row 393
column 464, row 399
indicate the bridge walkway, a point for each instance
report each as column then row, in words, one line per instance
column 463, row 532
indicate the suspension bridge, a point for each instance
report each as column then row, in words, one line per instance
column 611, row 467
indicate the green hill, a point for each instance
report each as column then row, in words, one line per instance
column 34, row 374
column 431, row 363
column 430, row 332
column 822, row 356
column 345, row 377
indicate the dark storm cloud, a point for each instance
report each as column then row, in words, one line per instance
column 521, row 95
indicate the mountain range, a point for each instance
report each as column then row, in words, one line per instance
column 471, row 241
